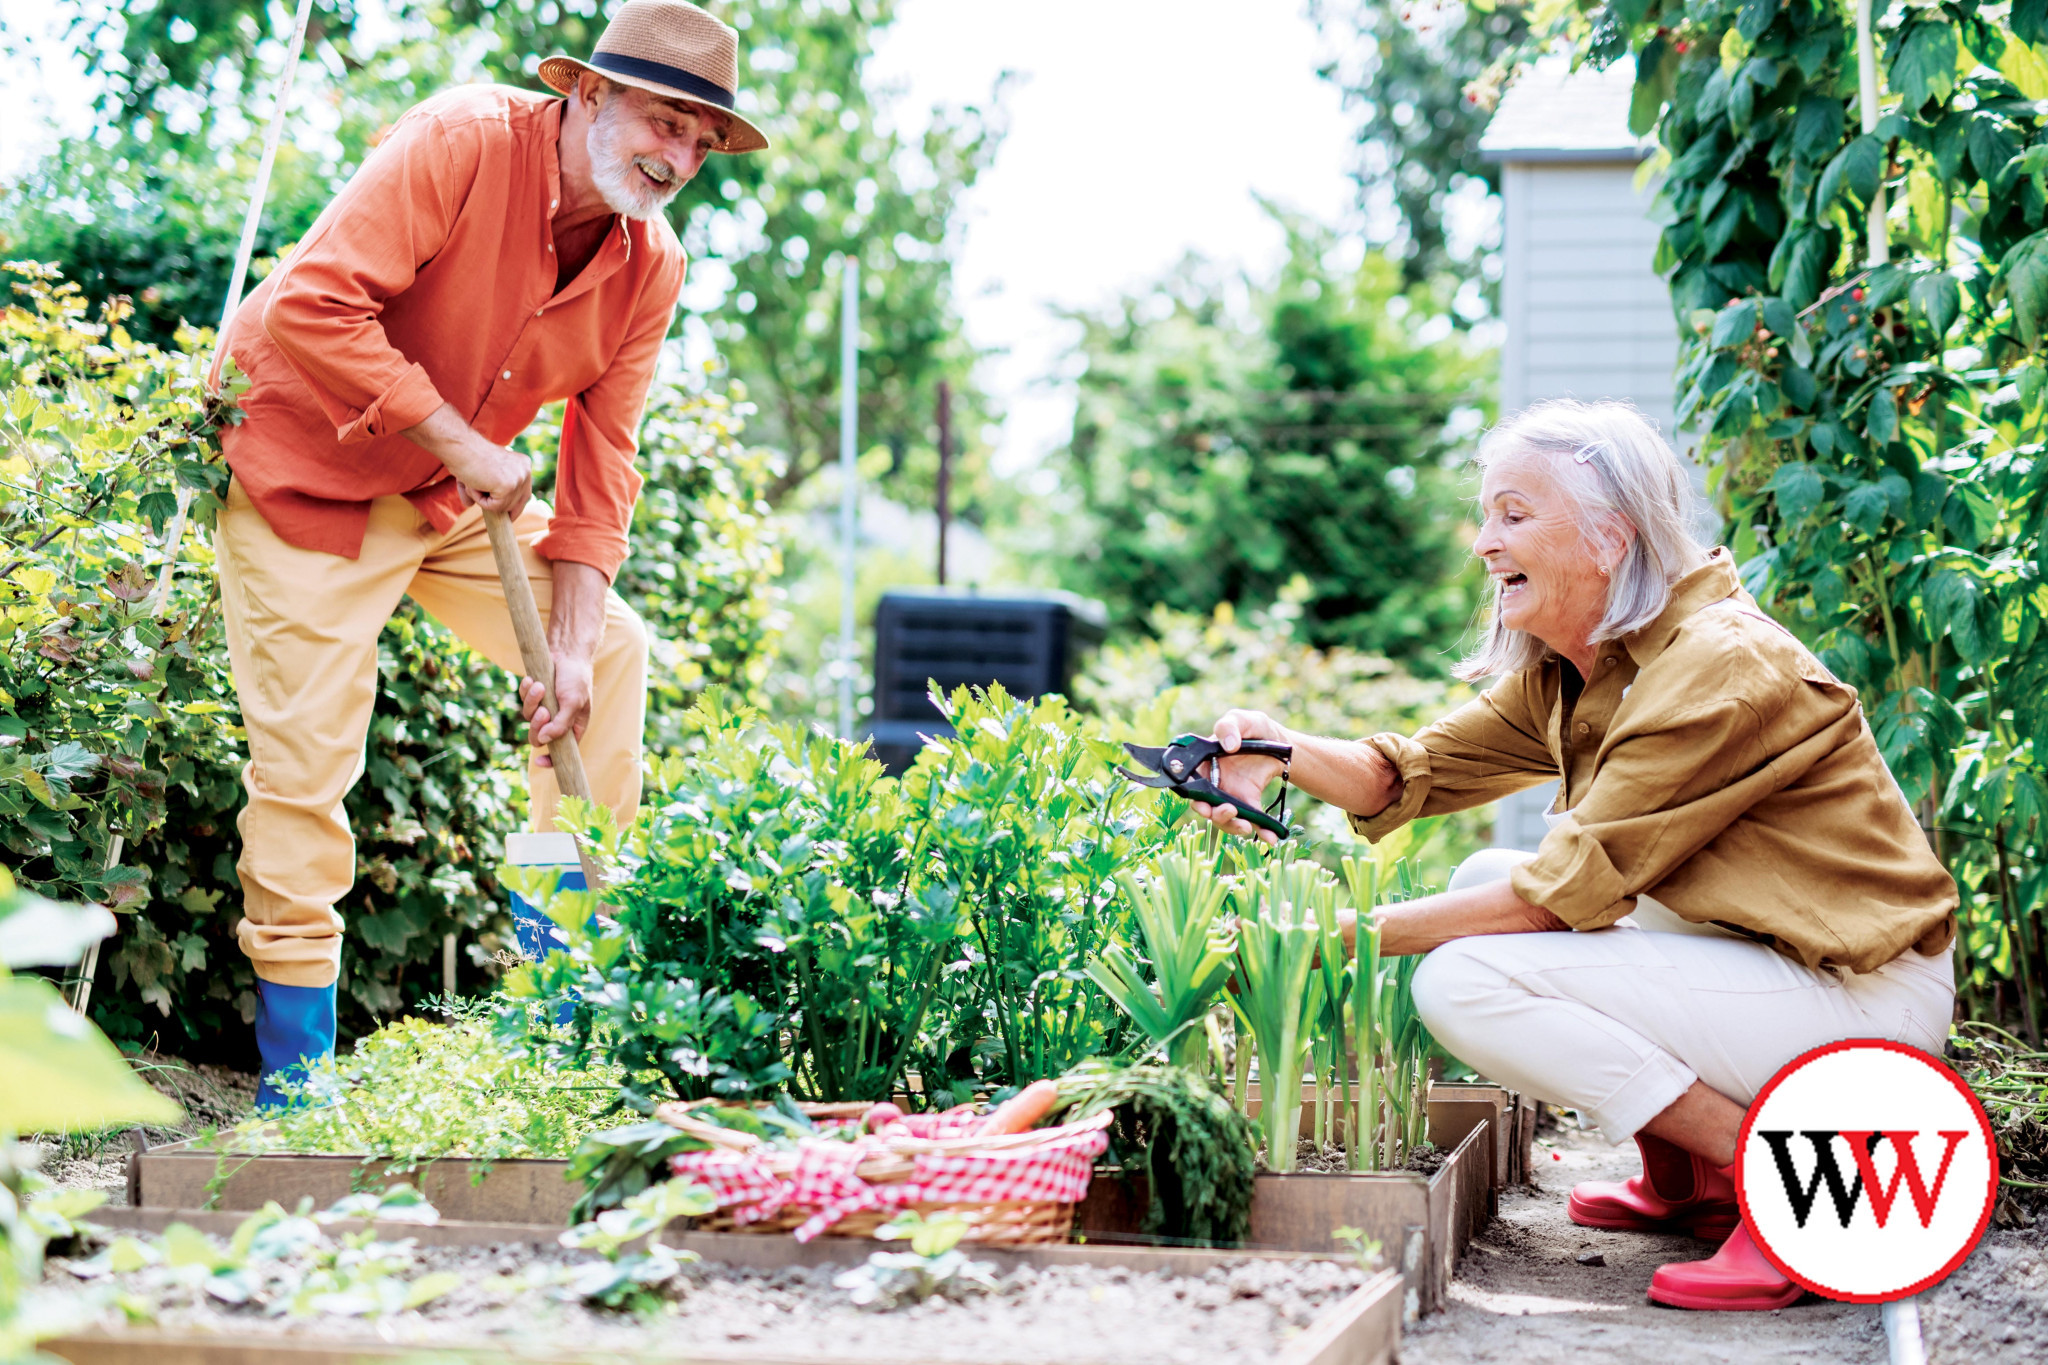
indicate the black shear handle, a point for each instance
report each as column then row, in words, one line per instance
column 1195, row 788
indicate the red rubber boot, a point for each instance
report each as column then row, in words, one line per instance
column 1736, row 1278
column 1677, row 1192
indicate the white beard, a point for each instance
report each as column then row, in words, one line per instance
column 617, row 175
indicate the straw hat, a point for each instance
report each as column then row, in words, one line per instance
column 671, row 48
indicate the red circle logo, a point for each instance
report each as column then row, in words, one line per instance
column 1866, row 1171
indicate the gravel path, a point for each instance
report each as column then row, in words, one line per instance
column 1522, row 1294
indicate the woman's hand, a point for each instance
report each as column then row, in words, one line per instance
column 1244, row 776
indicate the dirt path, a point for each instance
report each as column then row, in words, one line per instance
column 1522, row 1294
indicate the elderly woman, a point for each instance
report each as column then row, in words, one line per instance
column 1731, row 876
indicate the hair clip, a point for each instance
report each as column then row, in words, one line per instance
column 1584, row 453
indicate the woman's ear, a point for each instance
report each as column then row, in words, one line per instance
column 1611, row 541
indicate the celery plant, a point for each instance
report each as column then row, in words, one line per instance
column 1179, row 910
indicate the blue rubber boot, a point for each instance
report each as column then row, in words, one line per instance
column 294, row 1024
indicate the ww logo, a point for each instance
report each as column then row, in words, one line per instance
column 1867, row 1171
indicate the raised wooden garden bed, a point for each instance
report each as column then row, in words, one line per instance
column 1423, row 1224
column 186, row 1176
column 1363, row 1329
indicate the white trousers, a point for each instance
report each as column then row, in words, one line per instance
column 1618, row 1022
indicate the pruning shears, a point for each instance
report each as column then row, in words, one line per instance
column 1177, row 768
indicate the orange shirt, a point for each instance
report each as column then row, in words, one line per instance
column 431, row 279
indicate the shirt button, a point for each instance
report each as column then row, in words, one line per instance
column 551, row 248
column 538, row 311
column 1584, row 729
column 1607, row 662
column 508, row 375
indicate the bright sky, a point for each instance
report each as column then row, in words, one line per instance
column 1140, row 130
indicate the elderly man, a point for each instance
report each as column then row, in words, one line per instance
column 500, row 250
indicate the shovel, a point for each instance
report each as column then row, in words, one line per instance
column 570, row 779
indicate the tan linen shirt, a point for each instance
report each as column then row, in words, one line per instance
column 1710, row 762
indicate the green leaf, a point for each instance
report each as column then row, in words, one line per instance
column 1939, row 299
column 2029, row 20
column 1865, row 506
column 1799, row 489
column 1855, row 171
column 1734, row 325
column 1993, row 145
column 2022, row 65
column 1795, row 379
column 2023, row 275
column 1924, row 68
column 69, row 760
column 430, row 1286
column 1884, row 417
column 1755, row 16
column 62, row 1073
column 1778, row 318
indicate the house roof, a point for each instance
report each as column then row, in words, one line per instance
column 1552, row 113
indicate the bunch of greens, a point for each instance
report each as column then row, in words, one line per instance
column 416, row 1090
column 1178, row 1131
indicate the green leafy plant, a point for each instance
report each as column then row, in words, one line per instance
column 793, row 916
column 635, row 1282
column 417, row 1090
column 933, row 1265
column 1280, row 994
column 1178, row 909
column 1861, row 282
column 1028, row 827
column 291, row 1264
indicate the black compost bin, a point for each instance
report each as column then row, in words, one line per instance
column 1028, row 642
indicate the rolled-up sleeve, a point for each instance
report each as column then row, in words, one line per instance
column 596, row 484
column 325, row 314
column 1664, row 792
column 1488, row 748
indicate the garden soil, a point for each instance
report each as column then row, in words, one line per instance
column 1048, row 1316
column 1523, row 1293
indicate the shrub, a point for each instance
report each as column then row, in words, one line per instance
column 117, row 723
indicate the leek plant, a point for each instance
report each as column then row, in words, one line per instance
column 1180, row 911
column 1280, row 989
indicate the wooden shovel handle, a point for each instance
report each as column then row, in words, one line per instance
column 570, row 778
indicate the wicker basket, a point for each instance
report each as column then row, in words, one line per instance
column 1017, row 1222
column 1011, row 1222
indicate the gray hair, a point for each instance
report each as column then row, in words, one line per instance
column 1630, row 473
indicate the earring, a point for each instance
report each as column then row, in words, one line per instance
column 1603, row 571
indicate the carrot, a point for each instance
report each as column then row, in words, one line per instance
column 1024, row 1110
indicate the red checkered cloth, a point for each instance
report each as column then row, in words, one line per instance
column 1055, row 1168
column 737, row 1180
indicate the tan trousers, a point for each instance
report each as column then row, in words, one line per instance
column 302, row 629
